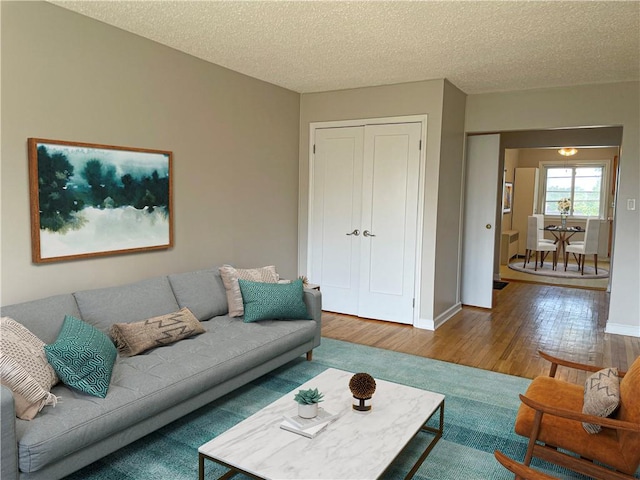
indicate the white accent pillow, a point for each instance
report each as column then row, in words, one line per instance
column 230, row 278
column 24, row 369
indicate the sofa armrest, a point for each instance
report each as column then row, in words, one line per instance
column 9, row 442
column 313, row 301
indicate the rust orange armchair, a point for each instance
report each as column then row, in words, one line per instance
column 551, row 417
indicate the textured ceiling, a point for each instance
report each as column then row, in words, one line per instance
column 310, row 46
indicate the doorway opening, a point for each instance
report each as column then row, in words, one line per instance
column 477, row 278
column 535, row 179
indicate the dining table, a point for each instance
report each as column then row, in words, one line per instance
column 562, row 235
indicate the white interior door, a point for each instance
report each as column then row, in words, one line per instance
column 389, row 221
column 336, row 208
column 363, row 218
column 480, row 204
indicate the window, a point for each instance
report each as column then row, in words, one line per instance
column 582, row 184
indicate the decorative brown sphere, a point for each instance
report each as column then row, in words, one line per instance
column 362, row 385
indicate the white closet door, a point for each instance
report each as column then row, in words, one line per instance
column 363, row 218
column 336, row 211
column 389, row 221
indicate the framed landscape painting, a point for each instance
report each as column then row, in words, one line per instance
column 92, row 200
column 507, row 197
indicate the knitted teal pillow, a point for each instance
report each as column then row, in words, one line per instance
column 83, row 357
column 273, row 301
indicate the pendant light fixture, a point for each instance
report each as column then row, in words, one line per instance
column 568, row 151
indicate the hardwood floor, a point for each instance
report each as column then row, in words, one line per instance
column 565, row 322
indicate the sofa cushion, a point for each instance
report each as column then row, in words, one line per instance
column 127, row 303
column 230, row 278
column 601, row 396
column 137, row 337
column 24, row 369
column 146, row 385
column 43, row 317
column 202, row 292
column 270, row 301
column 83, row 357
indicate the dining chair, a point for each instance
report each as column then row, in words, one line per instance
column 535, row 245
column 580, row 249
column 541, row 238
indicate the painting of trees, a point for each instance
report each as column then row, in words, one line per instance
column 58, row 204
column 86, row 197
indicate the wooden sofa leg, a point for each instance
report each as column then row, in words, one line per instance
column 309, row 355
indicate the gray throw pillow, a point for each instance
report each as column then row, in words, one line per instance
column 601, row 396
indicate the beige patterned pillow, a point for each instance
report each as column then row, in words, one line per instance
column 601, row 396
column 137, row 337
column 230, row 278
column 24, row 369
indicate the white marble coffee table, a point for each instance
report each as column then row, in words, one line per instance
column 355, row 446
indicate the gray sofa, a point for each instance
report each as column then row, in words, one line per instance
column 150, row 390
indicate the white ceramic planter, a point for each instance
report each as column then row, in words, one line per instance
column 308, row 411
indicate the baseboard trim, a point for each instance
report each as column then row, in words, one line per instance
column 621, row 329
column 428, row 324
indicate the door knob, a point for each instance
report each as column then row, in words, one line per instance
column 488, row 226
column 356, row 232
column 366, row 233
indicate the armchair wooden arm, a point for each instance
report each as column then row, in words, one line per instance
column 555, row 362
column 522, row 471
column 579, row 416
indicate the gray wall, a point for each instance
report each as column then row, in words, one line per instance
column 234, row 141
column 510, row 163
column 590, row 105
column 448, row 234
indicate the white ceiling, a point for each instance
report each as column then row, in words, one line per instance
column 311, row 46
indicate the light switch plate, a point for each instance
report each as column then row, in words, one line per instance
column 631, row 203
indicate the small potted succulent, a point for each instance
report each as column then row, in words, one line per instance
column 308, row 402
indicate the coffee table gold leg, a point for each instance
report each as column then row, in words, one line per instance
column 232, row 471
column 438, row 434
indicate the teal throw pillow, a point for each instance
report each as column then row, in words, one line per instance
column 83, row 357
column 273, row 301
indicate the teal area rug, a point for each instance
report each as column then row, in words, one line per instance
column 480, row 410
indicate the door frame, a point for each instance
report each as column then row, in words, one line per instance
column 422, row 119
column 584, row 136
